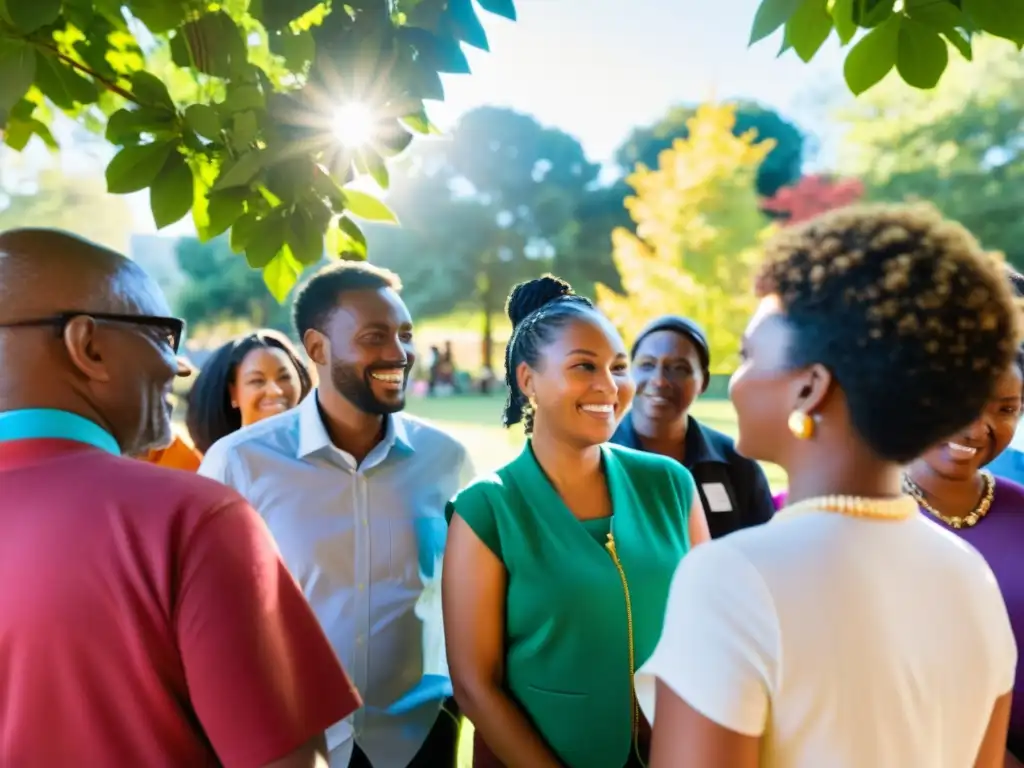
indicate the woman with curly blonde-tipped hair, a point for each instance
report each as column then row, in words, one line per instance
column 852, row 630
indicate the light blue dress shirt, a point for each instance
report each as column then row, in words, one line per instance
column 365, row 542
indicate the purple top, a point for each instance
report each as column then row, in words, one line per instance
column 999, row 537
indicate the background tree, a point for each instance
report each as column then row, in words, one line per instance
column 782, row 166
column 911, row 36
column 810, row 196
column 220, row 288
column 261, row 114
column 958, row 146
column 493, row 204
column 698, row 227
column 74, row 202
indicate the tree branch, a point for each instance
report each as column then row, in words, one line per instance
column 110, row 86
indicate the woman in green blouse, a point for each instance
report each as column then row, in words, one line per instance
column 557, row 567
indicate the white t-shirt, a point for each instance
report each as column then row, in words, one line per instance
column 844, row 642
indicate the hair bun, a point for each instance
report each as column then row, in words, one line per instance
column 530, row 296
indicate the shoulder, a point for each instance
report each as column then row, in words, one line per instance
column 278, row 432
column 423, row 435
column 478, row 494
column 177, row 491
column 1009, row 496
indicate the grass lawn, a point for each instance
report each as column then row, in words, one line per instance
column 476, row 421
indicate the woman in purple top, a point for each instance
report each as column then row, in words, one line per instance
column 951, row 486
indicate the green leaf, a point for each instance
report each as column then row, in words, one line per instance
column 203, row 119
column 462, row 20
column 151, row 91
column 425, row 83
column 960, row 42
column 172, row 193
column 348, row 238
column 245, row 127
column 936, row 14
column 297, row 49
column 1002, row 18
column 267, row 239
column 29, row 15
column 17, row 134
column 242, row 231
column 504, row 8
column 922, row 56
column 809, row 28
column 367, row 206
column 17, row 71
column 159, row 15
column 241, row 172
column 420, row 123
column 281, row 274
column 305, row 237
column 61, row 84
column 213, row 44
column 244, row 97
column 135, row 167
column 874, row 55
column 126, row 125
column 223, row 210
column 842, row 17
column 771, row 15
column 441, row 53
column 43, row 132
column 369, row 162
column 275, row 14
column 871, row 13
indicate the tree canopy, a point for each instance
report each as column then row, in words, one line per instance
column 958, row 146
column 252, row 115
column 911, row 36
column 698, row 227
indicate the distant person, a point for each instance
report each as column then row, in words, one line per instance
column 354, row 492
column 146, row 618
column 670, row 365
column 852, row 630
column 558, row 565
column 245, row 381
column 180, row 454
column 1010, row 463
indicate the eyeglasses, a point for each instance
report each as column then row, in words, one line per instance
column 172, row 328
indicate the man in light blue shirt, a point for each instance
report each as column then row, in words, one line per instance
column 354, row 491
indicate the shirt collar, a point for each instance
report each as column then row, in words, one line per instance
column 700, row 448
column 49, row 423
column 313, row 434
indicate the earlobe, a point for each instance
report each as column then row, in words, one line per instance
column 85, row 350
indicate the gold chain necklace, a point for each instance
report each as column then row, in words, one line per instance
column 900, row 508
column 964, row 521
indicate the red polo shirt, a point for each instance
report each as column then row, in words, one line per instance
column 147, row 620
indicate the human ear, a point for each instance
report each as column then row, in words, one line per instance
column 84, row 343
column 316, row 346
column 811, row 389
column 525, row 379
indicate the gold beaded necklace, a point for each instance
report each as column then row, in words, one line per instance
column 899, row 508
column 963, row 521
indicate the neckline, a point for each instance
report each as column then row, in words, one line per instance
column 54, row 424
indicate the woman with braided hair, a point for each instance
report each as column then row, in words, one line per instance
column 852, row 630
column 557, row 566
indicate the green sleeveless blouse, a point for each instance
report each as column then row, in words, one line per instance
column 567, row 622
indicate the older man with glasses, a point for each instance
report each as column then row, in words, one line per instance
column 145, row 615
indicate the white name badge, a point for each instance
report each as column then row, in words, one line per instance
column 717, row 496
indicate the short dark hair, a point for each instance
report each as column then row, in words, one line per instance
column 210, row 416
column 913, row 319
column 318, row 298
column 537, row 308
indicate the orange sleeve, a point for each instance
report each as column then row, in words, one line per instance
column 262, row 676
column 178, row 455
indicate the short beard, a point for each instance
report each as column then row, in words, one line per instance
column 357, row 389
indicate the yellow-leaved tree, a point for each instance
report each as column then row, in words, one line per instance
column 698, row 231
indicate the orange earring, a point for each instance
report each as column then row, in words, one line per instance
column 801, row 425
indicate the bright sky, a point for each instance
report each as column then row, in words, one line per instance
column 597, row 68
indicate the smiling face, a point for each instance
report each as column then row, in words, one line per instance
column 960, row 457
column 266, row 383
column 581, row 384
column 370, row 350
column 669, row 376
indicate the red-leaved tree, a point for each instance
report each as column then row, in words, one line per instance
column 810, row 196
